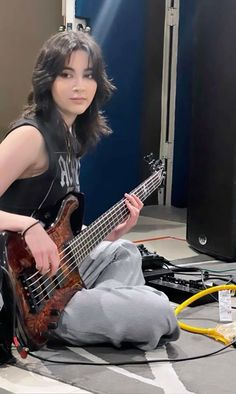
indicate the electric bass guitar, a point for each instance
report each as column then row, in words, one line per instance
column 40, row 299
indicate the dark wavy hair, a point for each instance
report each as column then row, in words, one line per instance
column 55, row 53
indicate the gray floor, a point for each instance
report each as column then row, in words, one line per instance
column 161, row 230
column 166, row 213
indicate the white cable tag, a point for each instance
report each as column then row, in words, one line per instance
column 225, row 311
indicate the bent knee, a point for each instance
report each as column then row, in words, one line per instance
column 160, row 312
column 128, row 250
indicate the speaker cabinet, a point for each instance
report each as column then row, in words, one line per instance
column 211, row 214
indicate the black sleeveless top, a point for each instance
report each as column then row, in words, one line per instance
column 40, row 193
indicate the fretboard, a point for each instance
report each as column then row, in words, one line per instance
column 97, row 231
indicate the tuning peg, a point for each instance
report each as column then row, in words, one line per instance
column 149, row 158
column 155, row 165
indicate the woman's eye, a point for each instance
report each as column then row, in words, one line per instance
column 65, row 74
column 89, row 76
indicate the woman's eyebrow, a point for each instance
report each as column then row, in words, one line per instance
column 72, row 69
column 68, row 68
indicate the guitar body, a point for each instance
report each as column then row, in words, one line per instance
column 41, row 299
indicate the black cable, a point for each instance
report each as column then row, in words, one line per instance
column 192, row 271
column 196, row 273
column 194, row 268
column 218, row 278
column 182, row 268
column 161, row 360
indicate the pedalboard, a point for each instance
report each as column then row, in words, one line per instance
column 178, row 290
column 169, row 280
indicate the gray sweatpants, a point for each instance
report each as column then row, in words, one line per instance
column 116, row 306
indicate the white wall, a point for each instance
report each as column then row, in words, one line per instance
column 24, row 26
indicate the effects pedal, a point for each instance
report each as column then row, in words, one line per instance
column 151, row 260
column 178, row 289
column 153, row 265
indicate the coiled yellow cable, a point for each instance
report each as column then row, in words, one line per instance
column 211, row 332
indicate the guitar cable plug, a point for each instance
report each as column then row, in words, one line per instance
column 23, row 352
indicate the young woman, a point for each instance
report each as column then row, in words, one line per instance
column 39, row 165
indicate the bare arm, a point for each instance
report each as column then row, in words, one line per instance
column 23, row 154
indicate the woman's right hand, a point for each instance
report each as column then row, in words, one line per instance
column 43, row 249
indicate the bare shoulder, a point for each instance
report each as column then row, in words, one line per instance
column 23, row 134
column 22, row 152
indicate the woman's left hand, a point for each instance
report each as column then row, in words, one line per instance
column 134, row 205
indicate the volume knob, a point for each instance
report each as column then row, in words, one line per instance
column 55, row 312
column 52, row 326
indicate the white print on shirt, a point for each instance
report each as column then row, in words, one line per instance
column 69, row 173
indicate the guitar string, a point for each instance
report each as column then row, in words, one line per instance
column 100, row 221
column 62, row 274
column 50, row 285
column 83, row 234
column 118, row 216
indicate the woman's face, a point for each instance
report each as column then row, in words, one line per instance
column 74, row 89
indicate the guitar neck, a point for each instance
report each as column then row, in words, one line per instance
column 97, row 231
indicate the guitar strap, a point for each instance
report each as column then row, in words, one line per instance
column 46, row 194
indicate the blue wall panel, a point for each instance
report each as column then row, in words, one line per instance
column 183, row 115
column 113, row 168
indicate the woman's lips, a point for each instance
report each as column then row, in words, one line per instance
column 78, row 99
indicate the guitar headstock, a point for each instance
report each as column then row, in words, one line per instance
column 154, row 165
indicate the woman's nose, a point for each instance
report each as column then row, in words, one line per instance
column 78, row 85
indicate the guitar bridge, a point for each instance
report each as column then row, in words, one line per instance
column 37, row 289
